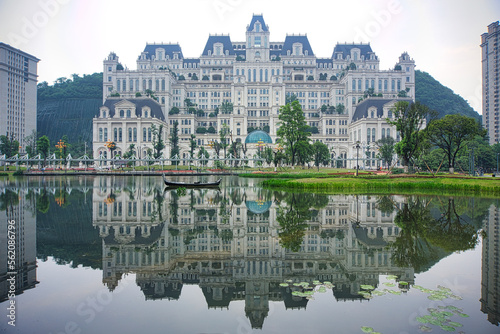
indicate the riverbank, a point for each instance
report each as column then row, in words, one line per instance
column 446, row 185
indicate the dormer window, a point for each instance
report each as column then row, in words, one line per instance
column 145, row 113
column 218, row 49
column 257, row 27
column 122, row 113
column 297, row 49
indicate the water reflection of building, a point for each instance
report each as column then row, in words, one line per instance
column 18, row 209
column 227, row 243
column 490, row 275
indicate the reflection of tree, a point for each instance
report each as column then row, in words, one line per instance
column 42, row 202
column 158, row 198
column 385, row 204
column 8, row 200
column 174, row 206
column 411, row 249
column 293, row 226
column 423, row 237
column 292, row 219
column 451, row 231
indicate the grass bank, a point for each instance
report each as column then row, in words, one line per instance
column 385, row 184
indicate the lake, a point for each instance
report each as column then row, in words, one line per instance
column 118, row 254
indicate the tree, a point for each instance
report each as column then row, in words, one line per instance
column 203, row 155
column 174, row 111
column 9, row 146
column 224, row 131
column 30, row 142
column 43, row 145
column 192, row 144
column 340, row 108
column 451, row 133
column 304, row 152
column 386, row 149
column 292, row 128
column 321, row 154
column 158, row 142
column 369, row 92
column 174, row 143
column 409, row 119
column 226, row 107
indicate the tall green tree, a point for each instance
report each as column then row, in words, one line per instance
column 192, row 144
column 9, row 146
column 321, row 154
column 174, row 143
column 203, row 155
column 158, row 142
column 43, row 145
column 223, row 134
column 292, row 128
column 409, row 120
column 450, row 134
column 304, row 152
column 386, row 149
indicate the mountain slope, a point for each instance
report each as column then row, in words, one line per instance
column 440, row 98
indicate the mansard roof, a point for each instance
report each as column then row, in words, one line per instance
column 191, row 60
column 225, row 40
column 324, row 60
column 291, row 39
column 170, row 49
column 139, row 103
column 256, row 18
column 379, row 103
column 345, row 50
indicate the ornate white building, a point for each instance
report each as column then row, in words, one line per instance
column 257, row 76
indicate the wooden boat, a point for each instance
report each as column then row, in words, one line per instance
column 191, row 184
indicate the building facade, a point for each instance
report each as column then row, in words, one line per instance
column 490, row 64
column 242, row 85
column 18, row 92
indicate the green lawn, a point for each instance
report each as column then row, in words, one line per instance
column 486, row 186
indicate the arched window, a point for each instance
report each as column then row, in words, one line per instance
column 115, row 134
column 368, row 131
column 372, row 114
column 149, row 134
column 128, row 113
column 129, row 134
column 135, row 134
column 122, row 113
column 120, row 134
column 143, row 134
column 100, row 134
column 388, row 132
column 373, row 134
column 383, row 133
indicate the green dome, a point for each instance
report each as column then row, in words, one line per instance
column 258, row 135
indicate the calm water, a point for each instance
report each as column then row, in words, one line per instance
column 123, row 255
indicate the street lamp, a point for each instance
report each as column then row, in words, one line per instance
column 357, row 147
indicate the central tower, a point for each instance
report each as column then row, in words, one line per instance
column 257, row 40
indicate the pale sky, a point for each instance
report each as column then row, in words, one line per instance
column 74, row 36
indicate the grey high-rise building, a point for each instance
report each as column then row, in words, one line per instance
column 490, row 61
column 18, row 79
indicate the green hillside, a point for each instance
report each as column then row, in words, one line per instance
column 440, row 98
column 68, row 106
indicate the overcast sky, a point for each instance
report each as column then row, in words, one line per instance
column 74, row 36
